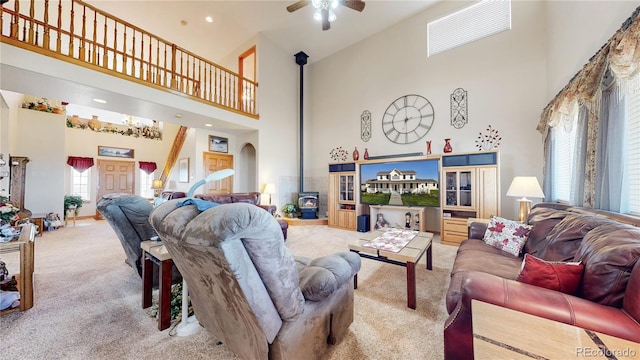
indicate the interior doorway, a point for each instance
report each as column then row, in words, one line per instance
column 247, row 169
column 114, row 177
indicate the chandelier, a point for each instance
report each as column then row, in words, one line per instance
column 328, row 5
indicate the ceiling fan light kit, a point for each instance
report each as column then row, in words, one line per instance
column 324, row 9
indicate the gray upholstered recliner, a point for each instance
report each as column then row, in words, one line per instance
column 128, row 216
column 248, row 290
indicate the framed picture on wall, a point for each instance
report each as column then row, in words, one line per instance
column 115, row 152
column 183, row 170
column 218, row 144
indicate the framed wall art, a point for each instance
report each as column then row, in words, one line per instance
column 218, row 144
column 183, row 170
column 115, row 152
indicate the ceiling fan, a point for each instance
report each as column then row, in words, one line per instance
column 324, row 9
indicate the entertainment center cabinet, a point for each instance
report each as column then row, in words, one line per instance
column 468, row 185
column 342, row 196
column 470, row 188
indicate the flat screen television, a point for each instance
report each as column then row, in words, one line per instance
column 411, row 182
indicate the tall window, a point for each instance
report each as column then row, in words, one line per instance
column 80, row 183
column 563, row 157
column 146, row 180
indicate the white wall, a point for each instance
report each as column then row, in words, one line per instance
column 576, row 30
column 504, row 75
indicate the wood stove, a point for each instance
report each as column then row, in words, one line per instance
column 308, row 204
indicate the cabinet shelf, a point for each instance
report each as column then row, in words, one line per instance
column 25, row 245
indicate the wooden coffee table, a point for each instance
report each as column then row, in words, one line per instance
column 407, row 257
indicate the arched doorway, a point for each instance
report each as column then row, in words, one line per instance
column 247, row 169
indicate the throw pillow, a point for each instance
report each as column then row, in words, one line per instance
column 555, row 275
column 507, row 235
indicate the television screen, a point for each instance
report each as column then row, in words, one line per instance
column 404, row 183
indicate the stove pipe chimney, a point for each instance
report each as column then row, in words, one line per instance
column 301, row 59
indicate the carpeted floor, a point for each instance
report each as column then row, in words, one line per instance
column 87, row 303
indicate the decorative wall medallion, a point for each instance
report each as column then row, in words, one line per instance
column 459, row 114
column 489, row 140
column 365, row 125
column 339, row 154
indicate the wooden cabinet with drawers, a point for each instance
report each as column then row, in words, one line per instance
column 470, row 188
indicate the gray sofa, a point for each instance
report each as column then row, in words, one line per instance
column 248, row 290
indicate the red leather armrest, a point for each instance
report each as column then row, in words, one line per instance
column 477, row 230
column 270, row 208
column 532, row 300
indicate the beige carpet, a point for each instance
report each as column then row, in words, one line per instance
column 87, row 303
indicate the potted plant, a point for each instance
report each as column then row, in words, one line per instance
column 72, row 202
column 290, row 209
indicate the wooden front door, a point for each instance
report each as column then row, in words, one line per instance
column 214, row 162
column 114, row 177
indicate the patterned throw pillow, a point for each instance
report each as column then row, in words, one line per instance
column 507, row 235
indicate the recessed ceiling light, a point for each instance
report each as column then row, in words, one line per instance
column 100, row 101
column 208, row 19
column 179, row 116
column 209, row 125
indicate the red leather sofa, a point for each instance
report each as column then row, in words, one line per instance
column 608, row 297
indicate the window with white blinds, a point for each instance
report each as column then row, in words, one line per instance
column 564, row 146
column 146, row 180
column 80, row 183
column 632, row 163
column 477, row 21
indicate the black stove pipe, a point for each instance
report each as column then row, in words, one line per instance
column 301, row 59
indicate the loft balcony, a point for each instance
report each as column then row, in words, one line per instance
column 81, row 34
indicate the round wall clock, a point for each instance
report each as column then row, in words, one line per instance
column 408, row 119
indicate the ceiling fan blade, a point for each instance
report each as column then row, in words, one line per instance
column 325, row 20
column 297, row 5
column 357, row 5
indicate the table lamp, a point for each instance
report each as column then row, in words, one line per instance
column 525, row 186
column 269, row 189
column 189, row 324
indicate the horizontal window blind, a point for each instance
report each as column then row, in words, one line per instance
column 563, row 159
column 633, row 151
column 477, row 21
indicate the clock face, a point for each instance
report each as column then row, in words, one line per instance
column 408, row 119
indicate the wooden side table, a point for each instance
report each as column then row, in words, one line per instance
column 24, row 244
column 154, row 252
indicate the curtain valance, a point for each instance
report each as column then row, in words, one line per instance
column 621, row 55
column 148, row 166
column 80, row 163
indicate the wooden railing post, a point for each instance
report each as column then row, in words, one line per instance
column 14, row 20
column 174, row 83
column 45, row 36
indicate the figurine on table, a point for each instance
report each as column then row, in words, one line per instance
column 407, row 220
column 380, row 223
column 416, row 223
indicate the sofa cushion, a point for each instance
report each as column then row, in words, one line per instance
column 565, row 238
column 608, row 253
column 507, row 235
column 543, row 220
column 554, row 275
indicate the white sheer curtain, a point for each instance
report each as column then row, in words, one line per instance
column 611, row 182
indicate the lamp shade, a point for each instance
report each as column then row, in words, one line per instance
column 525, row 186
column 157, row 184
column 269, row 189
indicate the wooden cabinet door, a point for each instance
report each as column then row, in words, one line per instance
column 333, row 200
column 488, row 192
column 214, row 162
